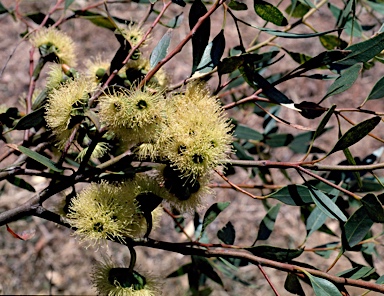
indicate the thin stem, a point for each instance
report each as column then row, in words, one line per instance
column 267, row 278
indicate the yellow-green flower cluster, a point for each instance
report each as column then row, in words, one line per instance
column 133, row 115
column 52, row 41
column 196, row 138
column 110, row 211
column 66, row 105
column 111, row 280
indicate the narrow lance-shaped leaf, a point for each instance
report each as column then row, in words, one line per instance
column 205, row 267
column 269, row 13
column 351, row 161
column 20, row 183
column 68, row 3
column 275, row 253
column 344, row 81
column 201, row 37
column 324, row 122
column 316, row 219
column 39, row 158
column 33, row 119
column 357, row 227
column 292, row 285
column 237, row 5
column 363, row 51
column 293, row 195
column 247, row 133
column 290, row 35
column 268, row 223
column 212, row 213
column 326, row 204
column 355, row 134
column 161, row 49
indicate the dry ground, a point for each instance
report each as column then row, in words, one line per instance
column 54, row 262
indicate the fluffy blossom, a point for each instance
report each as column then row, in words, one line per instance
column 52, row 41
column 196, row 138
column 66, row 106
column 111, row 280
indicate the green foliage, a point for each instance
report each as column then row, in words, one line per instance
column 256, row 113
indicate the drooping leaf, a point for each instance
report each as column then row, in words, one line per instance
column 322, row 287
column 100, row 20
column 268, row 223
column 351, row 160
column 227, row 234
column 247, row 133
column 255, row 79
column 373, row 207
column 218, row 46
column 237, row 5
column 324, row 122
column 205, row 267
column 293, row 195
column 201, row 37
column 39, row 158
column 344, row 81
column 298, row 57
column 161, row 49
column 269, row 13
column 275, row 253
column 175, row 22
column 212, row 213
column 346, row 19
column 316, row 219
column 292, row 285
column 20, row 183
column 355, row 134
column 326, row 205
column 290, row 35
column 357, row 227
column 32, row 119
column 363, row 51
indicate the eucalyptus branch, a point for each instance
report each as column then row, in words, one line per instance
column 180, row 46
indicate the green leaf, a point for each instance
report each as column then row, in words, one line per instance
column 331, row 42
column 278, row 140
column 326, row 253
column 357, row 227
column 179, row 2
column 256, row 80
column 364, row 51
column 378, row 6
column 205, row 267
column 283, row 34
column 344, row 81
column 212, row 213
column 20, row 183
column 292, row 284
column 161, row 49
column 351, row 161
column 316, row 219
column 322, row 287
column 358, row 272
column 201, row 37
column 326, row 205
column 227, row 234
column 324, row 122
column 269, row 13
column 3, row 9
column 180, row 271
column 293, row 195
column 237, row 5
column 377, row 91
column 275, row 253
column 298, row 57
column 298, row 10
column 247, row 133
column 39, row 158
column 241, row 153
column 373, row 207
column 100, row 20
column 355, row 134
column 68, row 3
column 32, row 119
column 175, row 22
column 268, row 223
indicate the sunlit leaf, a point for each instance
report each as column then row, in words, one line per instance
column 293, row 195
column 68, row 3
column 268, row 223
column 377, row 91
column 161, row 49
column 326, row 205
column 269, row 13
column 212, row 213
column 322, row 287
column 358, row 272
column 39, row 158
